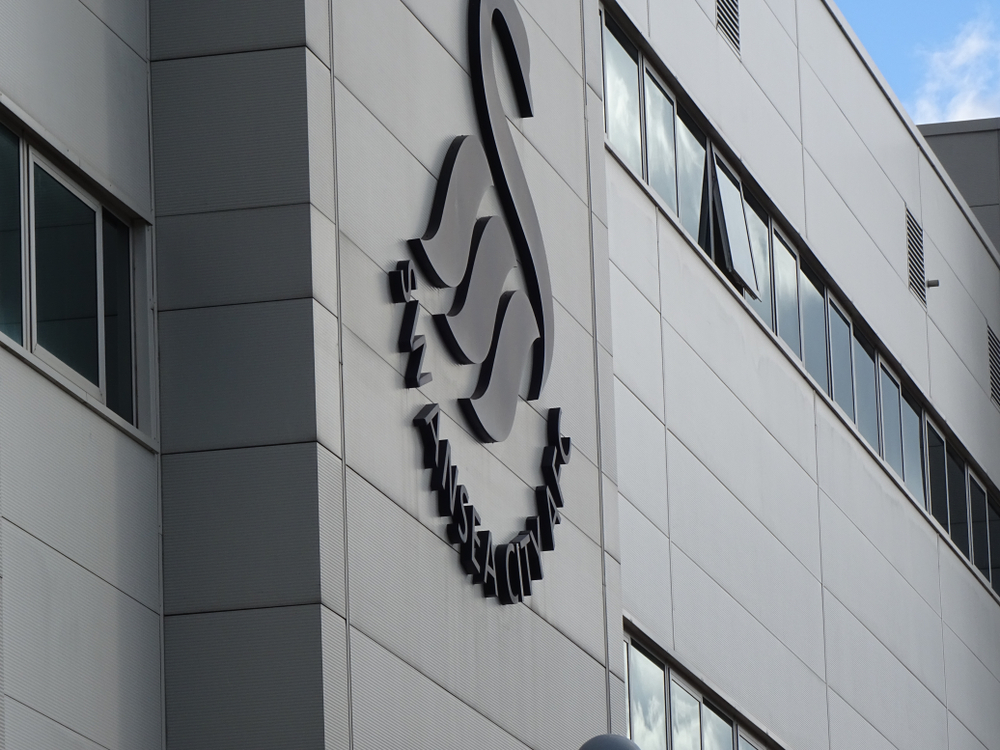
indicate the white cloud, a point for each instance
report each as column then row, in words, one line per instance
column 962, row 81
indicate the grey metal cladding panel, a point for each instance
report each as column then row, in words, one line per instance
column 597, row 154
column 645, row 573
column 642, row 456
column 866, row 675
column 194, row 28
column 710, row 421
column 564, row 221
column 606, row 395
column 632, row 240
column 771, row 57
column 320, row 109
column 325, row 287
column 503, row 661
column 725, row 540
column 27, row 729
column 318, row 29
column 785, row 12
column 250, row 679
column 560, row 22
column 862, row 490
column 879, row 597
column 237, row 376
column 973, row 692
column 969, row 610
column 327, row 378
column 331, row 530
column 829, row 53
column 395, row 706
column 594, row 48
column 849, row 730
column 51, row 46
column 614, row 619
column 729, row 340
column 638, row 12
column 233, row 257
column 719, row 639
column 959, row 736
column 619, row 712
column 232, row 131
column 241, row 529
column 78, row 650
column 612, row 532
column 973, row 163
column 335, row 687
column 127, row 18
column 78, row 483
column 638, row 357
column 877, row 288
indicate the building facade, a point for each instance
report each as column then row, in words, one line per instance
column 494, row 373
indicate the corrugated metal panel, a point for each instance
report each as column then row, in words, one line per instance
column 336, row 704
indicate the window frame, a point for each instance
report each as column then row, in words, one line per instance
column 778, row 234
column 838, row 308
column 970, row 477
column 724, row 246
column 647, row 69
column 883, row 365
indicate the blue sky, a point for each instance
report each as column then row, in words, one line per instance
column 941, row 57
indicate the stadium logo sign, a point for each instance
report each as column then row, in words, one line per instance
column 506, row 333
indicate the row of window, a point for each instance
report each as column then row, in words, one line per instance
column 65, row 276
column 661, row 704
column 659, row 141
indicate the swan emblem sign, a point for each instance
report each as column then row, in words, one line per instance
column 506, row 333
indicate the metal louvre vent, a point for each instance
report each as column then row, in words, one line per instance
column 994, row 346
column 727, row 18
column 915, row 251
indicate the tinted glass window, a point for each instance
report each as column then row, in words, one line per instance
column 647, row 706
column 685, row 723
column 814, row 328
column 993, row 518
column 892, row 436
column 840, row 356
column 865, row 388
column 736, row 241
column 757, row 227
column 745, row 744
column 937, row 476
column 691, row 179
column 980, row 528
column 66, row 275
column 118, row 317
column 10, row 235
column 660, row 142
column 717, row 732
column 958, row 507
column 913, row 468
column 786, row 294
column 621, row 86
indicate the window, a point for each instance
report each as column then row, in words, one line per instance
column 937, row 477
column 760, row 246
column 734, row 240
column 958, row 503
column 913, row 453
column 621, row 86
column 814, row 327
column 661, row 164
column 647, row 706
column 692, row 195
column 786, row 294
column 841, row 366
column 66, row 277
column 892, row 423
column 993, row 524
column 865, row 388
column 980, row 526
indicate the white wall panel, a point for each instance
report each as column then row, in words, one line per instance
column 638, row 357
column 969, row 610
column 632, row 231
column 127, row 18
column 645, row 575
column 26, row 729
column 960, row 738
column 768, row 51
column 973, row 692
column 642, row 460
column 849, row 730
column 78, row 650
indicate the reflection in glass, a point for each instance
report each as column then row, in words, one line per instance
column 864, row 386
column 759, row 233
column 117, row 317
column 685, row 724
column 814, row 327
column 745, row 744
column 937, row 478
column 628, row 719
column 993, row 517
column 660, row 142
column 10, row 235
column 734, row 224
column 840, row 360
column 892, row 439
column 980, row 531
column 958, row 507
column 66, row 275
column 647, row 705
column 913, row 467
column 691, row 179
column 786, row 294
column 717, row 732
column 621, row 86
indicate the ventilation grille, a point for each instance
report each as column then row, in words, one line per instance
column 994, row 346
column 727, row 18
column 915, row 250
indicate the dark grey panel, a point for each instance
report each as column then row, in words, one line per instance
column 335, row 701
column 989, row 217
column 251, row 679
column 27, row 729
column 973, row 162
column 193, row 28
column 237, row 376
column 241, row 528
column 232, row 131
column 127, row 18
column 231, row 257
